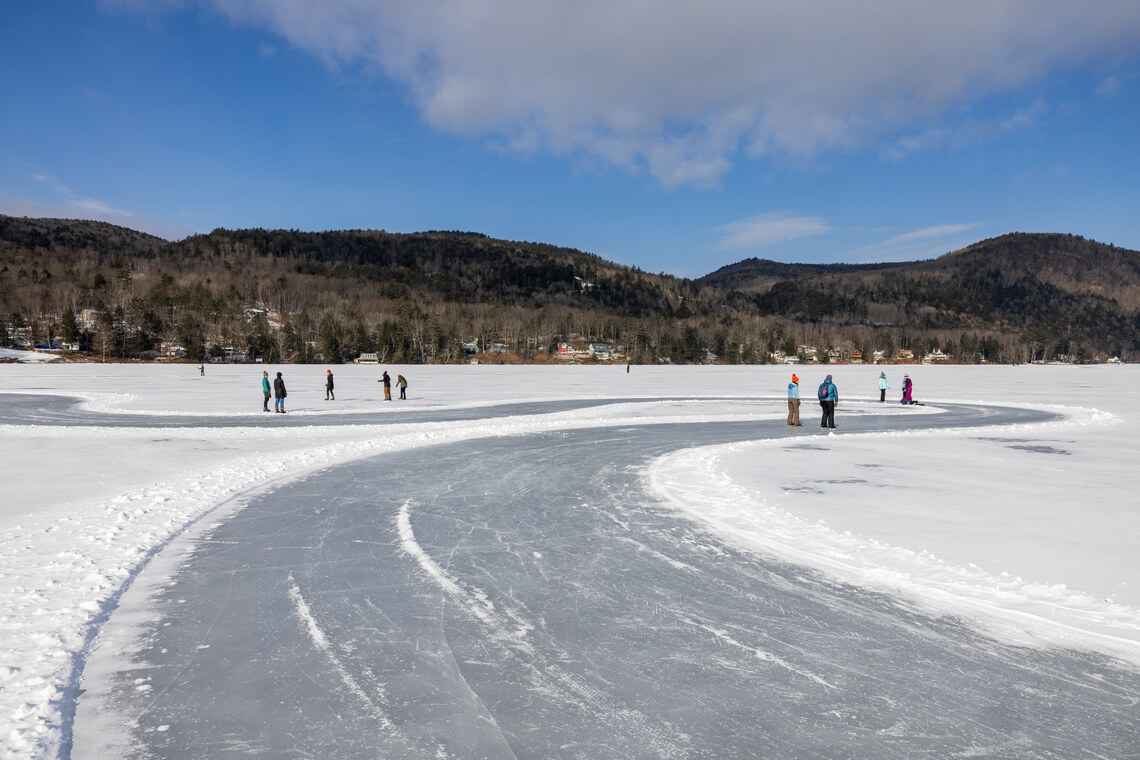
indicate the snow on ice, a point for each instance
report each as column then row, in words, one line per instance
column 1027, row 531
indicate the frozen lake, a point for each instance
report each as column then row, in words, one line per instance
column 523, row 567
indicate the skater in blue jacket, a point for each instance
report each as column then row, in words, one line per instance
column 828, row 398
column 883, row 387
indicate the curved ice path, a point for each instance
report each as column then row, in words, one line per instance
column 52, row 410
column 525, row 597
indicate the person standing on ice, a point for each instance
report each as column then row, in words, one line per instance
column 884, row 386
column 794, row 402
column 908, row 391
column 387, row 386
column 265, row 390
column 329, row 395
column 828, row 398
column 402, row 384
column 279, row 394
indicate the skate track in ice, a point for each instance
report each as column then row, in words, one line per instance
column 526, row 596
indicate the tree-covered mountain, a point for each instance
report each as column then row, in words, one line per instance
column 289, row 295
column 1062, row 294
column 285, row 295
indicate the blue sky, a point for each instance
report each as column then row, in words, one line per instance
column 674, row 136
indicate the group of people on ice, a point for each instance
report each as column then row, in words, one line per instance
column 828, row 395
column 277, row 390
column 908, row 390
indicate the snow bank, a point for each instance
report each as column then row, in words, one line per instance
column 983, row 524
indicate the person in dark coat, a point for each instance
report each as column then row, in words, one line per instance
column 387, row 386
column 329, row 395
column 828, row 398
column 279, row 394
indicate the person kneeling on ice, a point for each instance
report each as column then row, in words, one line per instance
column 279, row 394
column 908, row 391
column 828, row 398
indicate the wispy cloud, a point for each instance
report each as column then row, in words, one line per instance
column 966, row 132
column 682, row 89
column 86, row 208
column 1111, row 87
column 141, row 7
column 928, row 233
column 766, row 229
column 93, row 209
column 916, row 245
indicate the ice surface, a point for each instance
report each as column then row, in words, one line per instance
column 1022, row 531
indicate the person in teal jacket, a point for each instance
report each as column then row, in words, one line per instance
column 794, row 402
column 883, row 386
column 828, row 398
column 265, row 390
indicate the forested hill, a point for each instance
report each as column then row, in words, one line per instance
column 463, row 267
column 285, row 295
column 337, row 294
column 1068, row 263
column 61, row 234
column 1051, row 289
column 756, row 275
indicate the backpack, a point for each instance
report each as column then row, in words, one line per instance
column 823, row 391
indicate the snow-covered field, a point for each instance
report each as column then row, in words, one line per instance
column 1029, row 532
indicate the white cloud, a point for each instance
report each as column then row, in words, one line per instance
column 765, row 229
column 679, row 88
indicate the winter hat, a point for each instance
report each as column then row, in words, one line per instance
column 884, row 374
column 278, row 374
column 829, row 377
column 328, row 371
column 795, row 379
